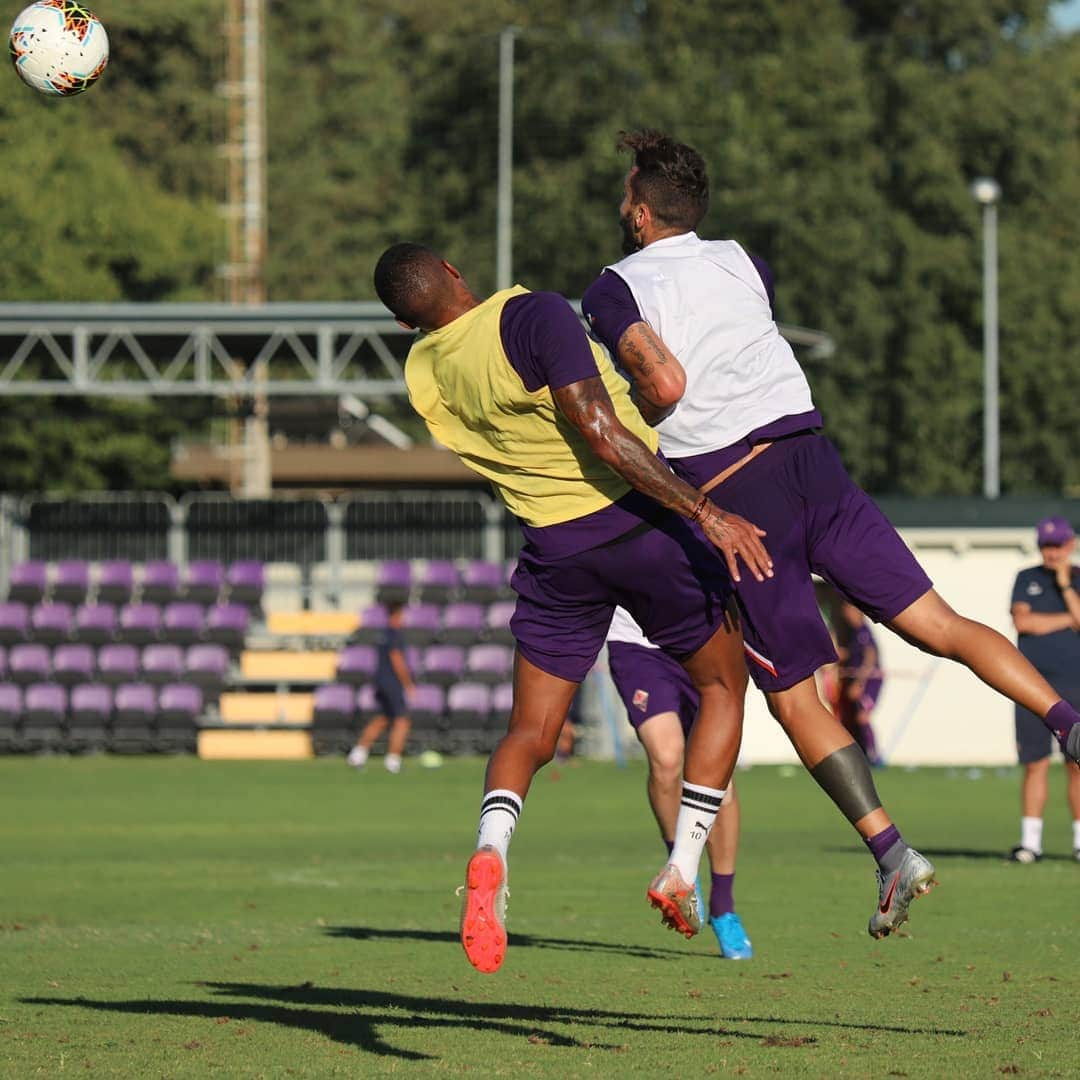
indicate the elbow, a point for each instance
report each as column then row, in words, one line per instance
column 667, row 392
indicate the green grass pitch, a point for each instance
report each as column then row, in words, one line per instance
column 177, row 918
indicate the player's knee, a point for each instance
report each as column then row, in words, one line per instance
column 665, row 767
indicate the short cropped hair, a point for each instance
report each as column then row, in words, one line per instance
column 671, row 178
column 408, row 282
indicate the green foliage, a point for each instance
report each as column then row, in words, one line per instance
column 841, row 135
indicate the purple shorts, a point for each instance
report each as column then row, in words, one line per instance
column 650, row 682
column 818, row 522
column 669, row 578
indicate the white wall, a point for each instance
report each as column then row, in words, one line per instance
column 931, row 712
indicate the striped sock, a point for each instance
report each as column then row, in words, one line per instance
column 498, row 815
column 697, row 812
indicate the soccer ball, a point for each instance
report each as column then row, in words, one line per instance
column 58, row 47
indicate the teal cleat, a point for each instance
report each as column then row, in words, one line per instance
column 734, row 944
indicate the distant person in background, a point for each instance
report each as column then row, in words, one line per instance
column 661, row 704
column 1046, row 614
column 860, row 678
column 393, row 685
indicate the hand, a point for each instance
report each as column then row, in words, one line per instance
column 734, row 535
column 1063, row 573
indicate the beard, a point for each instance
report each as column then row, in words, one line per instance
column 630, row 243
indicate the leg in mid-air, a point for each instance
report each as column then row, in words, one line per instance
column 368, row 737
column 541, row 704
column 718, row 673
column 932, row 625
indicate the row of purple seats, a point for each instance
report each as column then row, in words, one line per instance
column 466, row 718
column 205, row 664
column 441, row 581
column 458, row 623
column 180, row 622
column 202, row 581
column 441, row 665
column 133, row 718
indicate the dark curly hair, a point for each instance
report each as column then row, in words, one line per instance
column 671, row 177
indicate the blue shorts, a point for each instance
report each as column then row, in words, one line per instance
column 390, row 700
column 818, row 522
column 650, row 683
column 1034, row 740
column 669, row 577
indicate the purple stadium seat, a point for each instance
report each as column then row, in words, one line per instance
column 393, row 581
column 139, row 624
column 73, row 664
column 202, row 581
column 468, row 704
column 502, row 701
column 179, row 707
column 227, row 624
column 134, row 713
column 51, row 623
column 366, row 705
column 29, row 663
column 3, row 663
column 439, row 581
column 246, row 581
column 182, row 622
column 160, row 582
column 117, row 663
column 44, row 713
column 89, row 713
column 489, row 663
column 421, row 623
column 443, row 664
column 115, row 582
column 372, row 623
column 462, row 623
column 207, row 666
column 334, row 705
column 161, row 663
column 71, row 583
column 356, row 664
column 427, row 705
column 14, row 622
column 29, row 580
column 497, row 622
column 95, row 624
column 482, row 582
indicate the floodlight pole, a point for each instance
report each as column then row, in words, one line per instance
column 504, row 212
column 987, row 193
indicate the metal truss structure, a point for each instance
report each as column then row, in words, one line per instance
column 140, row 350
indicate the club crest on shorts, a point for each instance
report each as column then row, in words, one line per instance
column 640, row 700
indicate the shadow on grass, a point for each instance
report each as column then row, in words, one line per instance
column 519, row 941
column 357, row 1017
column 991, row 854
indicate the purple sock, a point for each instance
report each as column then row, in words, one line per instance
column 887, row 847
column 1060, row 720
column 722, row 895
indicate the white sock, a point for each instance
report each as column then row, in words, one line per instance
column 1076, row 835
column 1031, row 834
column 358, row 755
column 392, row 763
column 697, row 812
column 499, row 813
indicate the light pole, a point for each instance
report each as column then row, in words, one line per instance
column 987, row 192
column 504, row 212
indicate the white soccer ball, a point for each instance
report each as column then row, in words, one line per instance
column 58, row 47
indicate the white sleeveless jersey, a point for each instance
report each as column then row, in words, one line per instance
column 625, row 629
column 706, row 300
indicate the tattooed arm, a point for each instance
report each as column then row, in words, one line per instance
column 659, row 380
column 588, row 407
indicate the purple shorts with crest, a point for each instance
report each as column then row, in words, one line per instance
column 818, row 521
column 650, row 682
column 669, row 577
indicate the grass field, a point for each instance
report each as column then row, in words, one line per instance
column 176, row 918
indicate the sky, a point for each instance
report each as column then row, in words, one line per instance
column 1067, row 14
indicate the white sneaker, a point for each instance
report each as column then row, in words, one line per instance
column 392, row 763
column 358, row 756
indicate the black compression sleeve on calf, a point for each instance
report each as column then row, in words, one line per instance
column 846, row 778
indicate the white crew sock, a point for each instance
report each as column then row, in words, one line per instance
column 1031, row 829
column 392, row 763
column 697, row 812
column 499, row 813
column 1076, row 835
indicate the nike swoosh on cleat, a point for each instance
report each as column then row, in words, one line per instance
column 886, row 904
